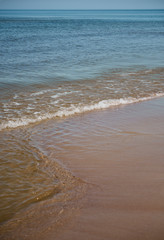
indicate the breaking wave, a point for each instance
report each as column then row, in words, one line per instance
column 75, row 109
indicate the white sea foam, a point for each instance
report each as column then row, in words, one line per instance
column 76, row 109
column 15, row 96
column 55, row 102
column 63, row 94
column 16, row 103
column 42, row 92
column 60, row 94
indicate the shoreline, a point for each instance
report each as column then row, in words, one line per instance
column 119, row 152
column 76, row 110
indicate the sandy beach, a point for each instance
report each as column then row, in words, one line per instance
column 119, row 155
column 127, row 167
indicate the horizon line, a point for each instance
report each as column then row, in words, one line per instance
column 82, row 9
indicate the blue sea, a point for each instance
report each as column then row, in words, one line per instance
column 58, row 63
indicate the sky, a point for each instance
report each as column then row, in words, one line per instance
column 81, row 4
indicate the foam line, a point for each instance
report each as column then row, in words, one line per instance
column 76, row 109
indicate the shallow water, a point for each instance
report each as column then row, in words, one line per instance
column 69, row 98
column 55, row 64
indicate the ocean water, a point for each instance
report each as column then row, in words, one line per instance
column 56, row 64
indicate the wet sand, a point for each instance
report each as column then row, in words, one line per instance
column 119, row 154
column 125, row 161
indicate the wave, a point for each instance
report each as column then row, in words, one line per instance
column 42, row 92
column 76, row 109
column 63, row 94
